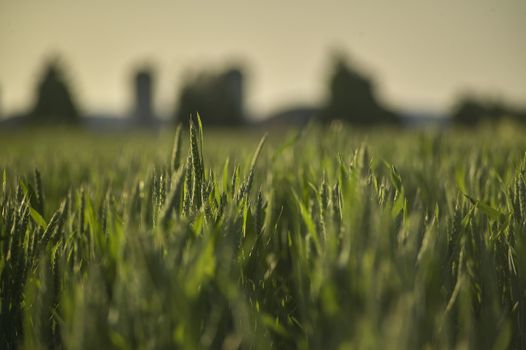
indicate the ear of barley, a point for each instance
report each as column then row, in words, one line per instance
column 176, row 150
column 245, row 188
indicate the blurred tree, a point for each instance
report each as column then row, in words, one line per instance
column 54, row 100
column 352, row 98
column 470, row 110
column 218, row 98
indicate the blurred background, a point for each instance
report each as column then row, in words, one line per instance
column 116, row 65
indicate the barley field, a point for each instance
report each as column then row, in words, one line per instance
column 323, row 238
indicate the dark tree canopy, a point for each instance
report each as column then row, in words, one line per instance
column 470, row 111
column 54, row 100
column 218, row 98
column 352, row 98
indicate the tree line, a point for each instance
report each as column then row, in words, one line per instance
column 219, row 99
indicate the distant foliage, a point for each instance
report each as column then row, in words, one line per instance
column 470, row 111
column 217, row 97
column 54, row 99
column 352, row 98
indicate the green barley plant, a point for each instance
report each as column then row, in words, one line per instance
column 325, row 238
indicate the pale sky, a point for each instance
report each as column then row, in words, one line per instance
column 422, row 53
